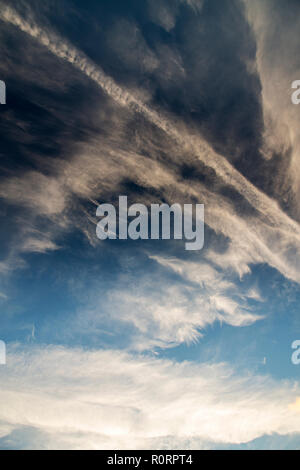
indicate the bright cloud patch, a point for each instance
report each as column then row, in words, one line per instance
column 109, row 399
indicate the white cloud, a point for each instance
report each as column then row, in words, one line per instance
column 109, row 399
column 40, row 193
column 163, row 311
column 35, row 245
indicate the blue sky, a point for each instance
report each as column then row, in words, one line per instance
column 142, row 344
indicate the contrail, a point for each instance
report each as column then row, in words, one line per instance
column 222, row 167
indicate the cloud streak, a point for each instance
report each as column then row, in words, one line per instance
column 275, row 229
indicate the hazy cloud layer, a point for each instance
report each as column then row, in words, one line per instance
column 110, row 399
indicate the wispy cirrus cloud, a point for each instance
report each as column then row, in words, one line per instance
column 252, row 235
